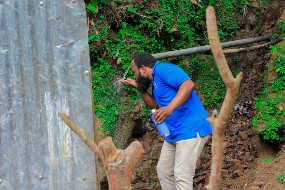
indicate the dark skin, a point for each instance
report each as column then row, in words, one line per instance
column 162, row 113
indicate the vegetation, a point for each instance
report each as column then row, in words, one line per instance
column 281, row 178
column 267, row 160
column 270, row 103
column 121, row 29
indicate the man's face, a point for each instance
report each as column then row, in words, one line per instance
column 142, row 81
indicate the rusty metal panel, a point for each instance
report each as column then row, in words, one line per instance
column 43, row 58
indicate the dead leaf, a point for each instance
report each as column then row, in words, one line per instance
column 119, row 60
column 104, row 54
column 93, row 24
column 194, row 2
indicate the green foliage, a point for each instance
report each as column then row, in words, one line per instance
column 280, row 32
column 93, row 5
column 107, row 104
column 154, row 183
column 165, row 26
column 281, row 27
column 267, row 160
column 270, row 112
column 205, row 74
column 281, row 178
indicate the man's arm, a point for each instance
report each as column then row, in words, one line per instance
column 148, row 99
column 182, row 95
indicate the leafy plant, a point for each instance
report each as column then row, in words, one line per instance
column 92, row 7
column 270, row 112
column 280, row 32
column 281, row 178
column 267, row 160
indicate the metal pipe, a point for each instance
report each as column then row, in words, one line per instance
column 206, row 48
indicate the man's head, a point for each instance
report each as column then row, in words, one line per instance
column 145, row 59
column 141, row 65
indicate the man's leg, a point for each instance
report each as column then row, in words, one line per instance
column 165, row 166
column 187, row 154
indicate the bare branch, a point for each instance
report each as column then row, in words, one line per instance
column 87, row 140
column 118, row 164
column 219, row 122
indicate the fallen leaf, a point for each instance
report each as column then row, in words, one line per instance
column 119, row 60
column 194, row 1
column 93, row 24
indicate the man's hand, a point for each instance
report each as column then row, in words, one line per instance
column 130, row 82
column 162, row 113
column 147, row 98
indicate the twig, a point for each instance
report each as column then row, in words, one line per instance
column 118, row 164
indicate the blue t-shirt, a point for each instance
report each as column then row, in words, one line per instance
column 189, row 118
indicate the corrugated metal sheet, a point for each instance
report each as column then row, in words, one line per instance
column 43, row 58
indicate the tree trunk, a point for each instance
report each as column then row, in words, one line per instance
column 118, row 164
column 219, row 121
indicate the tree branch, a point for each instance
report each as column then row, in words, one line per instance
column 84, row 137
column 118, row 164
column 219, row 122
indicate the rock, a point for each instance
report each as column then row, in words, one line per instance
column 261, row 183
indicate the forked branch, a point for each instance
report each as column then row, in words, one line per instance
column 219, row 122
column 118, row 164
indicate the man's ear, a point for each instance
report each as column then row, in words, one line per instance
column 143, row 69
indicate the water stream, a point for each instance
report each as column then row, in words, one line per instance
column 118, row 84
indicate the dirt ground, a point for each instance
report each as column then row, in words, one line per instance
column 245, row 165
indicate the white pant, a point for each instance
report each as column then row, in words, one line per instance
column 177, row 163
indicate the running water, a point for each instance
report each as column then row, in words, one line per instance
column 118, row 84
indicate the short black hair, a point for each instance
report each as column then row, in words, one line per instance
column 145, row 59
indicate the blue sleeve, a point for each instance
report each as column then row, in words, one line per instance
column 172, row 75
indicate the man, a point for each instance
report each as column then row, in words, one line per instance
column 179, row 106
